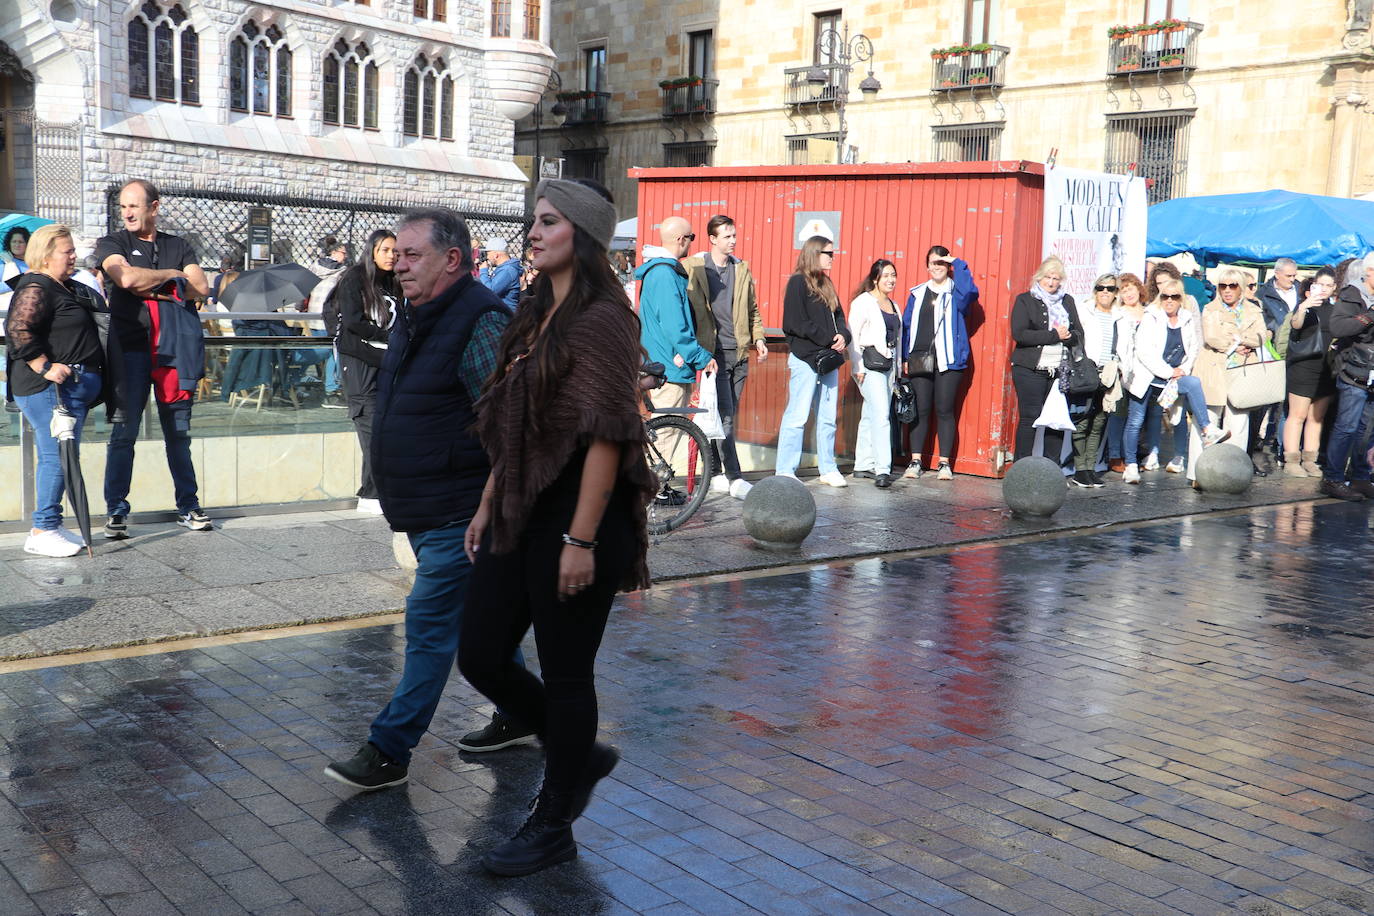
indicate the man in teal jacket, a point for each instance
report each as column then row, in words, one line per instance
column 667, row 330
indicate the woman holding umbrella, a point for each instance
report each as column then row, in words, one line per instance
column 53, row 360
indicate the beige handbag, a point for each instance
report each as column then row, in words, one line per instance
column 1256, row 384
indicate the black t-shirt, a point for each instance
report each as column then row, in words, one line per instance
column 53, row 320
column 166, row 252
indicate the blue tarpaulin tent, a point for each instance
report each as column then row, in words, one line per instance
column 1260, row 227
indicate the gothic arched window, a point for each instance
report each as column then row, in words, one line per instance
column 164, row 55
column 429, row 99
column 350, row 86
column 260, row 71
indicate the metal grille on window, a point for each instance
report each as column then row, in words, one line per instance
column 1156, row 144
column 500, row 18
column 808, row 149
column 687, row 155
column 532, row 14
column 967, row 143
column 585, row 163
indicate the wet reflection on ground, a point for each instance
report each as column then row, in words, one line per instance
column 1165, row 718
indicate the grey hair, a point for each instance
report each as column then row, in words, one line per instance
column 446, row 230
column 1285, row 263
column 1369, row 261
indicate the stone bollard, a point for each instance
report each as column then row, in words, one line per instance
column 779, row 512
column 405, row 557
column 1034, row 487
column 1224, row 468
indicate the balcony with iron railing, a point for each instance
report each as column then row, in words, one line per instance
column 818, row 86
column 585, row 107
column 688, row 95
column 978, row 66
column 1158, row 47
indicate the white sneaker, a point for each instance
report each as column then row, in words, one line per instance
column 740, row 488
column 1152, row 461
column 1131, row 474
column 50, row 543
column 1175, row 466
column 72, row 536
column 720, row 484
column 369, row 506
column 1213, row 435
column 834, row 479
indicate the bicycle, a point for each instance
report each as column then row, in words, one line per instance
column 684, row 478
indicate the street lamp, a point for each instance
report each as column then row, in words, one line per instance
column 559, row 110
column 843, row 52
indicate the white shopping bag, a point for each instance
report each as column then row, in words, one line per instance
column 1055, row 413
column 706, row 399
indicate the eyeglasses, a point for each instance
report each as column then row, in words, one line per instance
column 830, row 253
column 1171, row 297
column 1228, row 286
column 1104, row 289
column 1250, row 285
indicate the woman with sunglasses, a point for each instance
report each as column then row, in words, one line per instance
column 1232, row 332
column 1311, row 383
column 1166, row 347
column 934, row 330
column 1100, row 339
column 817, row 339
column 1130, row 307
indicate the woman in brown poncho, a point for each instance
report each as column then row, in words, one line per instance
column 561, row 527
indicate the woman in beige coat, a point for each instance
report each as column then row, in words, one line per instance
column 1232, row 332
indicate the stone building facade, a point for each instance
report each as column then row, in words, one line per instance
column 1201, row 96
column 405, row 101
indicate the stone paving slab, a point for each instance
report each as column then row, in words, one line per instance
column 1168, row 718
column 313, row 566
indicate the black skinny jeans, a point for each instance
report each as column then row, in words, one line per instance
column 938, row 392
column 729, row 389
column 512, row 591
column 1032, row 387
column 360, row 393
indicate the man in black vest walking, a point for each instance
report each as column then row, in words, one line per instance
column 429, row 470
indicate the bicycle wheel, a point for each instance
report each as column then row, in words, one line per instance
column 680, row 458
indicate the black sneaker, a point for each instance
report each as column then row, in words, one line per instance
column 882, row 481
column 1082, row 479
column 866, row 475
column 501, row 732
column 600, row 762
column 545, row 839
column 671, row 498
column 1098, row 479
column 195, row 520
column 116, row 528
column 1338, row 489
column 369, row 769
column 334, row 399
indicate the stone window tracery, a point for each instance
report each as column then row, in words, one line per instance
column 260, row 71
column 350, row 86
column 429, row 99
column 164, row 55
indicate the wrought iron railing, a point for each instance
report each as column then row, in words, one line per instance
column 682, row 98
column 1151, row 49
column 980, row 69
column 587, row 108
column 818, row 85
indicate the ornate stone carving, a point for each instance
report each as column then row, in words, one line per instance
column 1357, row 26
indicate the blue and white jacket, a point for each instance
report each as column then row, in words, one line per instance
column 951, row 309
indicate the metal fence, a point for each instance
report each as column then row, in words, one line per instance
column 1156, row 145
column 216, row 223
column 967, row 142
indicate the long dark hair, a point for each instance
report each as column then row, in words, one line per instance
column 9, row 236
column 809, row 266
column 374, row 282
column 870, row 282
column 593, row 280
column 1306, row 286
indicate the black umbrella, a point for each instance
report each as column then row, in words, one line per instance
column 63, row 428
column 267, row 289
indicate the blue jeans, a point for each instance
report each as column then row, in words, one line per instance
column 1350, row 434
column 176, row 437
column 49, row 482
column 331, row 363
column 802, row 389
column 1146, row 412
column 434, row 610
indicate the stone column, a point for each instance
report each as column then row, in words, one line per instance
column 1349, row 100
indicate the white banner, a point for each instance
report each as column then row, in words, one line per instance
column 1095, row 223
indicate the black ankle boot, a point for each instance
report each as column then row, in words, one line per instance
column 600, row 762
column 545, row 839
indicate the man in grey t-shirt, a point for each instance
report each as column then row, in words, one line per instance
column 720, row 288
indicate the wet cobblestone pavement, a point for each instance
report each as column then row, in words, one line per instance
column 1168, row 718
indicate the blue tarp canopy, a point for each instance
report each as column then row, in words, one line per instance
column 20, row 219
column 1261, row 227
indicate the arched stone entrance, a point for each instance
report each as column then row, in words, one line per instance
column 16, row 134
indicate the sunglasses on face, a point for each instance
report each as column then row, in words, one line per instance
column 1171, row 297
column 828, row 253
column 1104, row 289
column 1228, row 286
column 690, row 237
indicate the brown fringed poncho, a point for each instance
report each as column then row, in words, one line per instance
column 597, row 398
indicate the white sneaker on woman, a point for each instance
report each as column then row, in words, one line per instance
column 1211, row 435
column 1131, row 474
column 740, row 488
column 369, row 506
column 834, row 479
column 720, row 484
column 1175, row 466
column 1152, row 461
column 49, row 542
column 72, row 536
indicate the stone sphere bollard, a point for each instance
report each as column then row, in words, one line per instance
column 779, row 512
column 405, row 557
column 1224, row 468
column 1035, row 487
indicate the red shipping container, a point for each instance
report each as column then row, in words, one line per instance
column 988, row 213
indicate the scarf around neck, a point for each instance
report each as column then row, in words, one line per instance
column 1054, row 302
